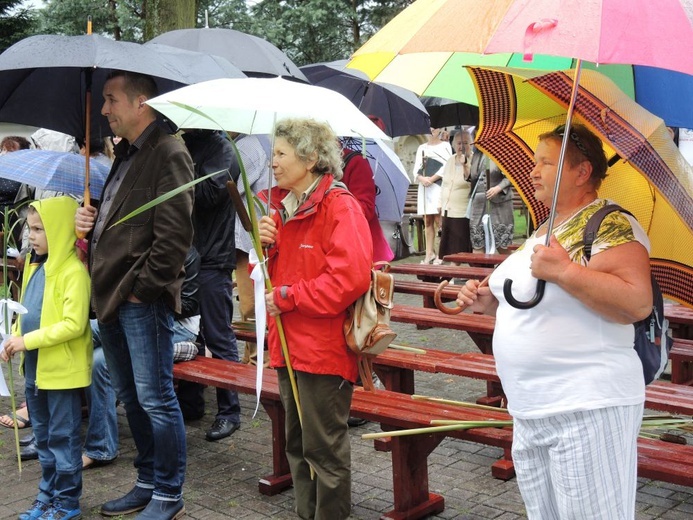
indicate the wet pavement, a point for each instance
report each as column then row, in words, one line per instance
column 222, row 477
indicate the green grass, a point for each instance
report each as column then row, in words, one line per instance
column 520, row 224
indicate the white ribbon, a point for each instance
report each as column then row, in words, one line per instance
column 8, row 308
column 489, row 240
column 258, row 277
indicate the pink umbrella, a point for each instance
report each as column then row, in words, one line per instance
column 636, row 32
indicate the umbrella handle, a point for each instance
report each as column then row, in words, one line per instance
column 508, row 293
column 439, row 303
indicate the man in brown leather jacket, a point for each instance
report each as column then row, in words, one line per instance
column 136, row 269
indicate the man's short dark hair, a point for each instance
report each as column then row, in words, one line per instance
column 136, row 84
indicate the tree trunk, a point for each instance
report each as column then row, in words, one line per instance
column 355, row 27
column 167, row 15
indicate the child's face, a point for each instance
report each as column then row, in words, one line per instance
column 37, row 234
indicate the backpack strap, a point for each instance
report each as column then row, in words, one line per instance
column 348, row 157
column 592, row 226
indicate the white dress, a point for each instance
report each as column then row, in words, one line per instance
column 428, row 198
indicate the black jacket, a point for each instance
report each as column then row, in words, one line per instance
column 189, row 294
column 213, row 212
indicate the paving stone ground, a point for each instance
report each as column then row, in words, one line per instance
column 222, row 477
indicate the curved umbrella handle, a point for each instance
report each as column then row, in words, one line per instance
column 439, row 303
column 452, row 310
column 508, row 293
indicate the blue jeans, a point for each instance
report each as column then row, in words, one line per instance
column 139, row 353
column 101, row 441
column 180, row 333
column 216, row 314
column 56, row 416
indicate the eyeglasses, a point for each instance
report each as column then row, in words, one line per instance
column 560, row 130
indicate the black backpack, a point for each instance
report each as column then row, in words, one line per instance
column 652, row 342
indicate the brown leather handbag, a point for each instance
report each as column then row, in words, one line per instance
column 367, row 327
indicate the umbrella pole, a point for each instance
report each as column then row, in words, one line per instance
column 87, row 151
column 564, row 146
column 87, row 127
column 541, row 284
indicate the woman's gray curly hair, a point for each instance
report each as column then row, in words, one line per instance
column 313, row 140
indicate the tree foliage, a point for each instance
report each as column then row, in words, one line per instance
column 16, row 22
column 309, row 31
column 119, row 19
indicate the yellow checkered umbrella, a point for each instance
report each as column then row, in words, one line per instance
column 647, row 175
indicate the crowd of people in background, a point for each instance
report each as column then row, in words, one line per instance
column 463, row 196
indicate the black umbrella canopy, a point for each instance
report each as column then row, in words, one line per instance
column 255, row 56
column 44, row 79
column 448, row 112
column 399, row 108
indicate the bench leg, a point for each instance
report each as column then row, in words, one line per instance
column 503, row 469
column 681, row 371
column 280, row 479
column 396, row 379
column 410, row 478
column 484, row 342
column 494, row 395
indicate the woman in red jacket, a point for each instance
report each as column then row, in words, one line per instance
column 319, row 262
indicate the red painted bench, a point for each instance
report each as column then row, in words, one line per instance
column 680, row 319
column 478, row 326
column 476, row 259
column 393, row 410
column 412, row 497
column 440, row 272
column 681, row 356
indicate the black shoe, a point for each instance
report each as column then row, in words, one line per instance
column 162, row 510
column 136, row 500
column 221, row 428
column 26, row 440
column 354, row 422
column 29, row 452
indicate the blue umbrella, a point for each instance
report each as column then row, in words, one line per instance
column 58, row 171
column 665, row 93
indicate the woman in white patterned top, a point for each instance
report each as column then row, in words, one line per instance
column 573, row 381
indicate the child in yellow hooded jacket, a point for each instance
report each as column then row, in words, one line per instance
column 54, row 338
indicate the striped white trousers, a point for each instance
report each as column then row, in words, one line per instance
column 580, row 465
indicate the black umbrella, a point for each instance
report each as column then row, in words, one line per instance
column 44, row 79
column 255, row 56
column 447, row 112
column 399, row 108
column 49, row 80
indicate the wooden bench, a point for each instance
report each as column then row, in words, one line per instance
column 412, row 497
column 657, row 460
column 680, row 319
column 401, row 365
column 478, row 326
column 394, row 411
column 426, row 290
column 476, row 259
column 681, row 357
column 437, row 273
column 240, row 377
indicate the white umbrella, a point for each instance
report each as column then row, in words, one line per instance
column 254, row 105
